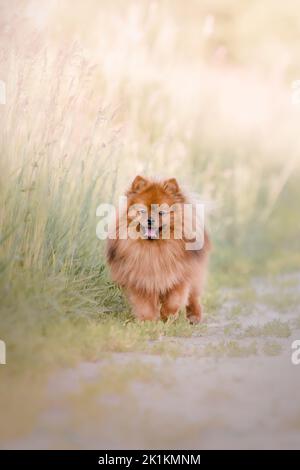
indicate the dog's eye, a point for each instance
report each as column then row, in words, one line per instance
column 163, row 212
column 142, row 210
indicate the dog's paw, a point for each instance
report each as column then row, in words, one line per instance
column 194, row 319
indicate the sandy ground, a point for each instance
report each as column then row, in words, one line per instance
column 230, row 386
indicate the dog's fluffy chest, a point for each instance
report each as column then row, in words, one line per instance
column 155, row 267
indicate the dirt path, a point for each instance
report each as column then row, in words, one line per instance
column 231, row 385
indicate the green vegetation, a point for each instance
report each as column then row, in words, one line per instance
column 231, row 349
column 273, row 328
column 145, row 88
column 272, row 349
column 282, row 300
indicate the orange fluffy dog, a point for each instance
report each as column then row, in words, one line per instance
column 159, row 274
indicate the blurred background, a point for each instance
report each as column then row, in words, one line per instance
column 98, row 91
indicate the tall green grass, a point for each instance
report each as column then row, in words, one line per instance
column 102, row 91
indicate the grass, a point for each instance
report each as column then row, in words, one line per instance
column 282, row 301
column 272, row 349
column 115, row 379
column 297, row 323
column 232, row 328
column 274, row 328
column 135, row 88
column 230, row 349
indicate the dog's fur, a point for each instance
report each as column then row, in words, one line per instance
column 159, row 275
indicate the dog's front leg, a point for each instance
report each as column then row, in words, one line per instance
column 145, row 306
column 173, row 300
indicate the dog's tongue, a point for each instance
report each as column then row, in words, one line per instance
column 151, row 233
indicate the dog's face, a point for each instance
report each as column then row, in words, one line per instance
column 151, row 207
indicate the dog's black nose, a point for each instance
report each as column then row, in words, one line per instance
column 150, row 222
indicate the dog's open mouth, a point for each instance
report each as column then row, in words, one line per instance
column 150, row 233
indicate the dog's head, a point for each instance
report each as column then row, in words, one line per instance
column 152, row 207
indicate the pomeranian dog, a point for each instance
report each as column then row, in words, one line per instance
column 153, row 265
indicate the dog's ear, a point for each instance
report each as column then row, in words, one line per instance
column 138, row 184
column 171, row 186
